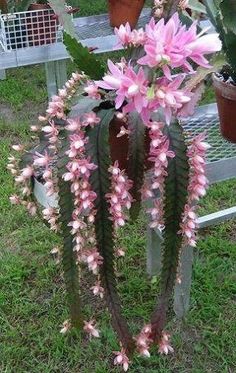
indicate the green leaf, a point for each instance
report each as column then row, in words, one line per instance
column 136, row 162
column 70, row 268
column 81, row 56
column 228, row 11
column 99, row 151
column 175, row 196
column 197, row 6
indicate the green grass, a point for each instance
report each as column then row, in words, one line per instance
column 32, row 295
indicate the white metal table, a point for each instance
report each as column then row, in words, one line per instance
column 92, row 31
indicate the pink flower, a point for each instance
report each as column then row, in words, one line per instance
column 90, row 328
column 93, row 259
column 98, row 290
column 18, row 147
column 123, row 131
column 15, row 200
column 27, row 172
column 122, row 359
column 171, row 44
column 32, row 208
column 119, row 199
column 92, row 90
column 168, row 96
column 90, row 119
column 66, row 327
column 164, row 346
column 41, row 160
column 124, row 34
column 119, row 253
column 73, row 124
column 128, row 85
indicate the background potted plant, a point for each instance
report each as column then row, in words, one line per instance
column 41, row 23
column 223, row 14
column 122, row 11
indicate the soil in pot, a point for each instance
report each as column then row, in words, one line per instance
column 225, row 90
column 122, row 11
column 41, row 25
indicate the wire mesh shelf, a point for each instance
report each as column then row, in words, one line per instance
column 206, row 119
column 29, row 29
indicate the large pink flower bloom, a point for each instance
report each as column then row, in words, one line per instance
column 128, row 84
column 168, row 96
column 171, row 45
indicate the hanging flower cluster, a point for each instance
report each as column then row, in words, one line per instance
column 159, row 154
column 120, row 199
column 197, row 187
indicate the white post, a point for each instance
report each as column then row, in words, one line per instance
column 2, row 74
column 56, row 76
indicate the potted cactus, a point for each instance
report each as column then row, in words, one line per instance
column 222, row 14
column 101, row 134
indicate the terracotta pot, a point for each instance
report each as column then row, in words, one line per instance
column 120, row 145
column 42, row 28
column 122, row 11
column 226, row 102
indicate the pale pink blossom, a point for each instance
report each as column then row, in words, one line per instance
column 34, row 128
column 18, row 147
column 66, row 326
column 42, row 160
column 15, row 200
column 128, row 84
column 119, row 199
column 164, row 346
column 90, row 119
column 119, row 252
column 122, row 359
column 27, row 172
column 172, row 45
column 124, row 35
column 123, row 131
column 93, row 259
column 90, row 328
column 92, row 90
column 98, row 290
column 32, row 208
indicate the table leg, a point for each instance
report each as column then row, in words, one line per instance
column 183, row 288
column 154, row 241
column 56, row 76
column 2, row 74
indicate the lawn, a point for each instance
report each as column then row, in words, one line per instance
column 32, row 296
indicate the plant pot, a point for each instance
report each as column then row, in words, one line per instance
column 41, row 26
column 122, row 11
column 120, row 145
column 226, row 102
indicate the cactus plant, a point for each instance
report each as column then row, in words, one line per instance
column 81, row 167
